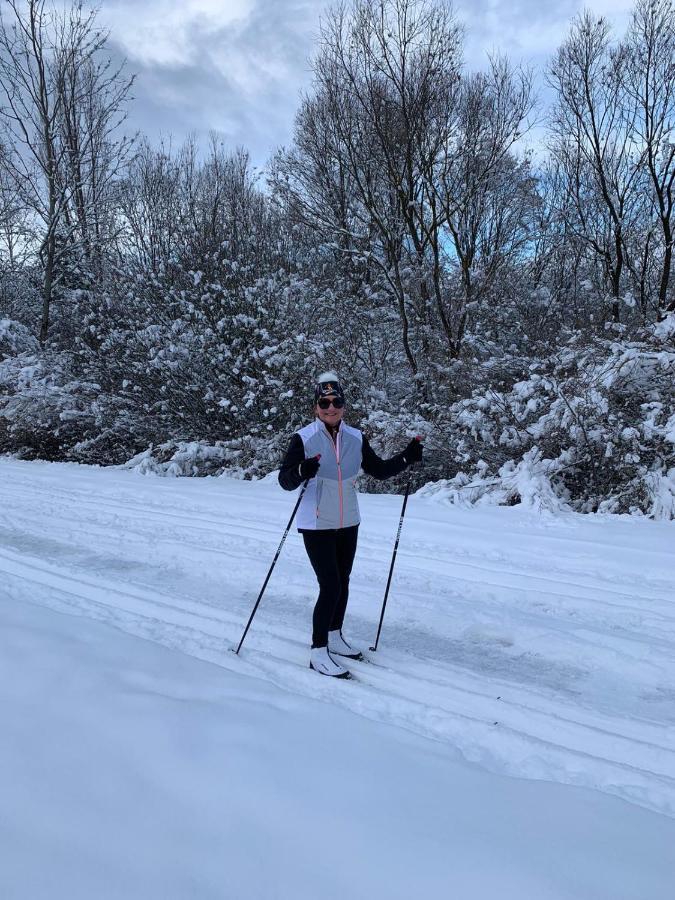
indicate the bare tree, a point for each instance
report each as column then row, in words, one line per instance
column 485, row 194
column 62, row 105
column 151, row 204
column 368, row 140
column 592, row 129
column 649, row 76
column 396, row 163
column 96, row 153
column 12, row 214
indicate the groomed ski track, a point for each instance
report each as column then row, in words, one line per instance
column 537, row 646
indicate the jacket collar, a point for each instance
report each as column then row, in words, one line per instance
column 322, row 425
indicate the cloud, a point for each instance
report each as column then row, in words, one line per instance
column 162, row 32
column 238, row 66
column 234, row 66
column 528, row 31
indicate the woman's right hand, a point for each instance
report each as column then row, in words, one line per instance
column 413, row 452
column 309, row 467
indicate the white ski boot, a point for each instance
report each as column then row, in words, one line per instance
column 339, row 646
column 322, row 662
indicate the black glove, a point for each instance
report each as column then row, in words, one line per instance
column 309, row 467
column 413, row 452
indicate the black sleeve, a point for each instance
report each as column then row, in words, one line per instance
column 380, row 468
column 289, row 476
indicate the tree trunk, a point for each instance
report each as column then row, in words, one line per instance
column 665, row 272
column 47, row 288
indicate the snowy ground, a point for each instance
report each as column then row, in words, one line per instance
column 530, row 646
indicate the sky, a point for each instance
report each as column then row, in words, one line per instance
column 238, row 67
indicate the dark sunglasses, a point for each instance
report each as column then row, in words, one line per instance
column 337, row 402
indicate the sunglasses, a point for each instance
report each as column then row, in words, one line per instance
column 325, row 403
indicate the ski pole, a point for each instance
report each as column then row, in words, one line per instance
column 393, row 557
column 274, row 561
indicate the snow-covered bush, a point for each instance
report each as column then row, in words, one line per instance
column 182, row 458
column 20, row 298
column 593, row 427
column 44, row 407
column 15, row 338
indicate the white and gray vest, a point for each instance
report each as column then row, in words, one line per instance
column 330, row 500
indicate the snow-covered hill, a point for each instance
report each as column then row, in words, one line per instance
column 532, row 646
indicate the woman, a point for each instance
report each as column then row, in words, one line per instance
column 330, row 454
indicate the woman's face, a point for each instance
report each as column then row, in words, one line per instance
column 332, row 415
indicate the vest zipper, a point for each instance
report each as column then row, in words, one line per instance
column 336, row 448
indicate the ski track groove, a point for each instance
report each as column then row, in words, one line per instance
column 592, row 637
column 162, row 514
column 591, row 747
column 595, row 639
column 190, row 606
column 581, row 634
column 225, row 530
column 176, row 616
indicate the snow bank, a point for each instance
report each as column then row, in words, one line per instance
column 184, row 458
column 526, row 483
column 166, row 778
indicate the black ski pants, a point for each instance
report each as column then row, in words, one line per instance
column 331, row 553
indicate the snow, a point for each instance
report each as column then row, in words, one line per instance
column 665, row 329
column 515, row 644
column 15, row 338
